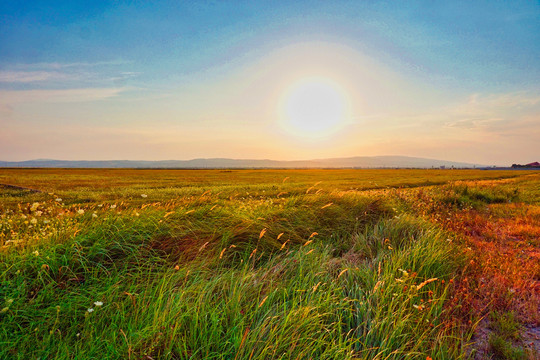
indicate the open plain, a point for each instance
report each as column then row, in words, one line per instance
column 269, row 264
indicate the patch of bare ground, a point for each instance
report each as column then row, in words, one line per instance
column 504, row 271
column 15, row 187
column 531, row 338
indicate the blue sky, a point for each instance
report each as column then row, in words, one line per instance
column 179, row 80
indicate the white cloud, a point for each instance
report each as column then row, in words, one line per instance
column 64, row 72
column 57, row 65
column 473, row 123
column 9, row 98
column 491, row 102
column 502, row 114
column 29, row 76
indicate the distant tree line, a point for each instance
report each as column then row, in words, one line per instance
column 535, row 164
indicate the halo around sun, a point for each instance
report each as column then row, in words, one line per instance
column 313, row 107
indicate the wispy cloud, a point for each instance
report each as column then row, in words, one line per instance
column 473, row 123
column 490, row 102
column 9, row 98
column 33, row 76
column 502, row 114
column 58, row 65
column 65, row 74
column 486, row 116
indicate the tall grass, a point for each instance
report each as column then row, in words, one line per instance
column 211, row 284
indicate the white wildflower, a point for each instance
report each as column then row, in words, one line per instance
column 94, row 215
column 98, row 303
column 34, row 206
column 33, row 221
column 113, row 206
column 144, row 195
column 36, row 253
column 90, row 310
column 58, row 199
column 80, row 211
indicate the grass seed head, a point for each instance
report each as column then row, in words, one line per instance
column 342, row 272
column 263, row 301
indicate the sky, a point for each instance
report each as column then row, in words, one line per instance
column 287, row 80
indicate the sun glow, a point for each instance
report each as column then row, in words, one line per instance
column 313, row 107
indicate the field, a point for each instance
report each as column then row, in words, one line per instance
column 269, row 264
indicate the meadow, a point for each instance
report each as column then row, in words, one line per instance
column 269, row 264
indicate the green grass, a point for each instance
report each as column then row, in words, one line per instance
column 259, row 270
column 506, row 333
column 293, row 304
column 503, row 349
column 505, row 324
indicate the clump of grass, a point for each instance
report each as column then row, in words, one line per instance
column 401, row 291
column 506, row 333
column 505, row 324
column 503, row 349
column 465, row 196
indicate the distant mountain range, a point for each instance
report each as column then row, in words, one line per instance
column 221, row 163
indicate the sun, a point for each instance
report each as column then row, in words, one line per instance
column 313, row 107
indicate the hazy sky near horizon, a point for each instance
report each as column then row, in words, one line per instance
column 453, row 80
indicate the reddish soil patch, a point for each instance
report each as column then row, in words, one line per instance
column 503, row 244
column 505, row 271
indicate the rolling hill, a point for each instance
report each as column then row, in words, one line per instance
column 212, row 163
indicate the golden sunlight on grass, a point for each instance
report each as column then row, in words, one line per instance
column 344, row 264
